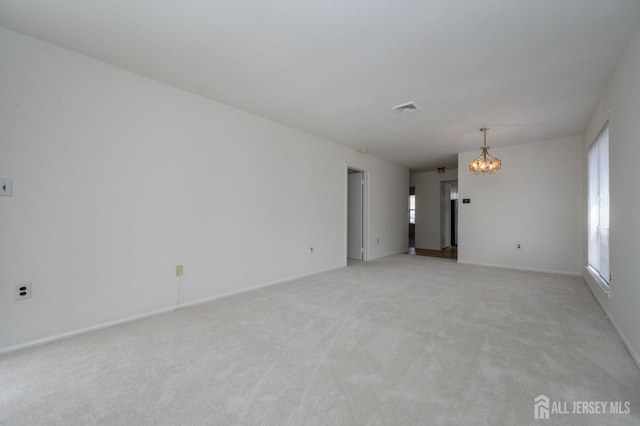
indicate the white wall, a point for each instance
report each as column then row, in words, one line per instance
column 388, row 210
column 620, row 104
column 536, row 200
column 428, row 206
column 118, row 178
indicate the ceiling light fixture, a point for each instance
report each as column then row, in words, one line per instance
column 363, row 151
column 485, row 163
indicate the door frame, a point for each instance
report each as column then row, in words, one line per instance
column 365, row 211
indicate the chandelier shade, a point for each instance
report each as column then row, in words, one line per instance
column 486, row 163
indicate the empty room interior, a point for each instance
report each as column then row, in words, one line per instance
column 215, row 212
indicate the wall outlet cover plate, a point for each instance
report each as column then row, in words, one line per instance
column 6, row 187
column 23, row 291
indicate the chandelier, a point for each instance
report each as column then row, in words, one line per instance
column 485, row 163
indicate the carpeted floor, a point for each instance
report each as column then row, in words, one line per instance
column 398, row 341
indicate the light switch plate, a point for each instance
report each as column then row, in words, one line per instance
column 5, row 187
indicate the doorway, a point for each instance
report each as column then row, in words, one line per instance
column 356, row 214
column 449, row 214
column 412, row 217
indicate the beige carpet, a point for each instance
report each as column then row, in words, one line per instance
column 402, row 340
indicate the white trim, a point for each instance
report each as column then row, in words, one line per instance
column 257, row 287
column 606, row 288
column 517, row 268
column 81, row 331
column 606, row 125
column 626, row 344
column 634, row 356
column 109, row 324
column 403, row 251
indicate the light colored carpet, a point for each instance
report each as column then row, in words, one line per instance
column 401, row 340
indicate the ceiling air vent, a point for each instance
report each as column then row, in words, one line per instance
column 407, row 108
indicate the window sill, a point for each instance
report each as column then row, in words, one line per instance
column 606, row 288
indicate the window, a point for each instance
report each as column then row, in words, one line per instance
column 412, row 209
column 598, row 245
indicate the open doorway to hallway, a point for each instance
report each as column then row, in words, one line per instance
column 449, row 214
column 433, row 215
column 412, row 217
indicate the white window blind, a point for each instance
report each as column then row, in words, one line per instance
column 412, row 209
column 599, row 206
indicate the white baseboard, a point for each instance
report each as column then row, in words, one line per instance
column 81, row 331
column 257, row 287
column 402, row 251
column 85, row 330
column 518, row 268
column 625, row 342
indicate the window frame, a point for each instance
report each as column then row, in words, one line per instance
column 595, row 228
column 412, row 211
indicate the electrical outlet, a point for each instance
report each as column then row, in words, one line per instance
column 5, row 187
column 519, row 246
column 179, row 270
column 23, row 291
column 311, row 250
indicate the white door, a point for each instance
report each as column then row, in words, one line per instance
column 355, row 198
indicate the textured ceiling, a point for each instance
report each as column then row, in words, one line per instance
column 529, row 70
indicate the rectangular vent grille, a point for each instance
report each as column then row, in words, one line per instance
column 407, row 108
